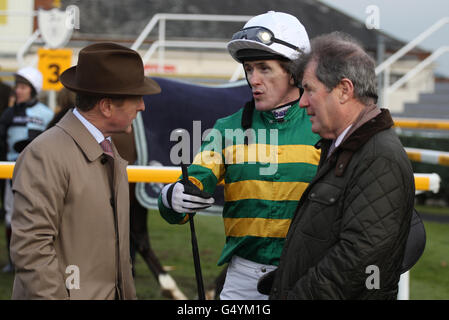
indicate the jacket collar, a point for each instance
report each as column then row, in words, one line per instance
column 79, row 133
column 26, row 104
column 367, row 130
column 363, row 130
column 91, row 148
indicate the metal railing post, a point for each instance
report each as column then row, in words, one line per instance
column 161, row 50
column 401, row 52
column 380, row 56
column 386, row 65
column 404, row 79
column 386, row 83
column 142, row 36
column 404, row 286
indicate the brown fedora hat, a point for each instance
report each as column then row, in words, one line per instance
column 109, row 69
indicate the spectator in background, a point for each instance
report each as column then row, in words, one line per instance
column 5, row 96
column 6, row 100
column 19, row 125
column 6, row 93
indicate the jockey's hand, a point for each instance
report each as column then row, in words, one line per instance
column 185, row 197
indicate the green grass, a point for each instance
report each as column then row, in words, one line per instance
column 172, row 244
column 429, row 278
column 6, row 279
column 444, row 211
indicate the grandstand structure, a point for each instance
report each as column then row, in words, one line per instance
column 112, row 20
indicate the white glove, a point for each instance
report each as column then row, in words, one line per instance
column 174, row 196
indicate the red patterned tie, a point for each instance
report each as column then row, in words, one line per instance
column 107, row 147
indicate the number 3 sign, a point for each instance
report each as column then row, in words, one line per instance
column 52, row 62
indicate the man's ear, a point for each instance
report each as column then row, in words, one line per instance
column 346, row 90
column 105, row 105
column 292, row 81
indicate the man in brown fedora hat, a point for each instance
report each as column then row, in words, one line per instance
column 70, row 237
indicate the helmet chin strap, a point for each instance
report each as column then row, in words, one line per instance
column 246, row 77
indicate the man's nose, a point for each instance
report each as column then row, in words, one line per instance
column 254, row 78
column 303, row 101
column 141, row 105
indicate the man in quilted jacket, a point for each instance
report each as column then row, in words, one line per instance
column 348, row 236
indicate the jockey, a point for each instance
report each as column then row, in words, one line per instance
column 264, row 153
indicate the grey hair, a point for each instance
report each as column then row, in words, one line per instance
column 338, row 56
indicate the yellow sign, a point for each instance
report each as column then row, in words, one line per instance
column 3, row 7
column 53, row 62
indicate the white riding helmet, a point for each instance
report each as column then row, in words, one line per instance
column 272, row 33
column 33, row 76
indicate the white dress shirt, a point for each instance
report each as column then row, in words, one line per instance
column 99, row 137
column 338, row 141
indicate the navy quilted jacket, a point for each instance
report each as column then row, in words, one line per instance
column 348, row 236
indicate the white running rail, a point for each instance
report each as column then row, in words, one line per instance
column 385, row 66
column 418, row 68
